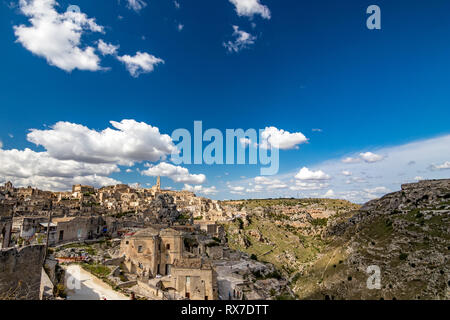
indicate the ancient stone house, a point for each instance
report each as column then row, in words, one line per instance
column 26, row 227
column 69, row 229
column 82, row 189
column 152, row 251
column 193, row 279
column 210, row 227
column 78, row 228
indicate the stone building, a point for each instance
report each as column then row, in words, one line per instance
column 152, row 251
column 79, row 190
column 193, row 279
column 210, row 227
column 27, row 227
column 69, row 229
column 78, row 228
column 160, row 252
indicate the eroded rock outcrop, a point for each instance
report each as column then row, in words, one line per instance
column 163, row 209
column 405, row 235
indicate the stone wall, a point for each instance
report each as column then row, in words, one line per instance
column 20, row 272
column 5, row 225
column 5, row 231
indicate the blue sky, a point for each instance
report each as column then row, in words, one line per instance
column 299, row 66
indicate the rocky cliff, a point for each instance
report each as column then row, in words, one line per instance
column 400, row 241
column 163, row 209
column 405, row 234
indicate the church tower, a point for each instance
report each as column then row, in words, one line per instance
column 158, row 183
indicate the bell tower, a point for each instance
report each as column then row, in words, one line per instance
column 158, row 183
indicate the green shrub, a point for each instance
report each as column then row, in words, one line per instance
column 60, row 290
column 319, row 222
column 98, row 270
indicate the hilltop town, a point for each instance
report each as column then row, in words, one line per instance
column 161, row 244
column 146, row 242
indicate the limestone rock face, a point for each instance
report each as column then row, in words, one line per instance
column 421, row 195
column 163, row 209
column 329, row 249
column 405, row 235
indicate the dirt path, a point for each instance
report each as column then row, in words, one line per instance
column 88, row 287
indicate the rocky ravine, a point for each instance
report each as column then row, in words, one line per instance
column 405, row 234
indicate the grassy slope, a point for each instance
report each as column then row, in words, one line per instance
column 290, row 249
column 408, row 248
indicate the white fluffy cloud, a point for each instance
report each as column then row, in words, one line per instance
column 249, row 8
column 377, row 190
column 38, row 169
column 255, row 189
column 329, row 194
column 369, row 180
column 27, row 163
column 107, row 48
column 374, row 179
column 201, row 189
column 236, row 189
column 60, row 183
column 140, row 63
column 281, row 139
column 263, row 180
column 242, row 40
column 346, row 173
column 136, row 5
column 57, row 36
column 269, row 184
column 176, row 173
column 370, row 157
column 443, row 166
column 245, row 142
column 127, row 142
column 351, row 160
column 306, row 186
column 306, row 174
